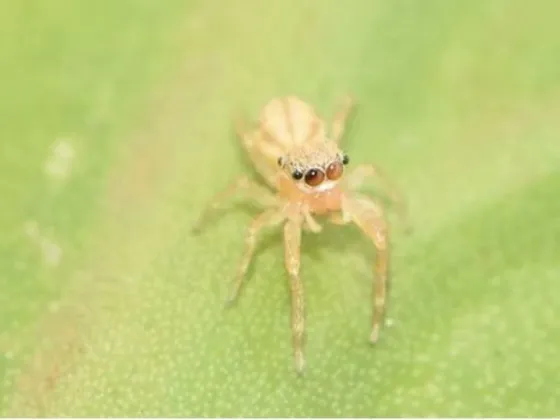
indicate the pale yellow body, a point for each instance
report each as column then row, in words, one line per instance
column 302, row 161
column 285, row 125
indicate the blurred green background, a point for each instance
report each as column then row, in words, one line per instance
column 116, row 130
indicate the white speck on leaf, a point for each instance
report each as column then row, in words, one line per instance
column 50, row 250
column 58, row 164
column 54, row 307
column 52, row 253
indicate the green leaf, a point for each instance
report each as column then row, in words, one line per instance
column 118, row 131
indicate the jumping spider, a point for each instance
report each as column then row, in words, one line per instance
column 293, row 153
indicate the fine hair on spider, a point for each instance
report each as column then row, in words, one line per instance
column 306, row 175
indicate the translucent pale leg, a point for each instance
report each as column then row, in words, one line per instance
column 292, row 242
column 244, row 187
column 356, row 178
column 340, row 218
column 250, row 139
column 311, row 224
column 369, row 218
column 340, row 118
column 266, row 219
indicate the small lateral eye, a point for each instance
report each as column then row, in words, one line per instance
column 345, row 159
column 334, row 171
column 314, row 177
column 279, row 161
column 297, row 174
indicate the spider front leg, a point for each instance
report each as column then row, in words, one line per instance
column 310, row 223
column 340, row 118
column 292, row 244
column 268, row 218
column 340, row 218
column 243, row 186
column 355, row 179
column 369, row 218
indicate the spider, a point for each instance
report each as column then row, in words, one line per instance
column 292, row 151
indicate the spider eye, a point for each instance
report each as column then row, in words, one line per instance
column 314, row 177
column 345, row 159
column 297, row 174
column 334, row 171
column 279, row 161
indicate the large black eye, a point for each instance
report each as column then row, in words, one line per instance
column 314, row 177
column 297, row 174
column 345, row 159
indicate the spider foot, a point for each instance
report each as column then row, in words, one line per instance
column 374, row 336
column 299, row 363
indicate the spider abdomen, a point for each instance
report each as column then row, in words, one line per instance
column 285, row 124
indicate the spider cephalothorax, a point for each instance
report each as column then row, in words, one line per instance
column 292, row 152
column 319, row 168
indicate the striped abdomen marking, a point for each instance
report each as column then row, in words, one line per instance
column 285, row 123
column 291, row 122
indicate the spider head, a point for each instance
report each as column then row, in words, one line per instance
column 315, row 168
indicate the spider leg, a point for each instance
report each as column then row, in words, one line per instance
column 292, row 245
column 340, row 118
column 260, row 151
column 268, row 218
column 310, row 223
column 355, row 179
column 243, row 132
column 243, row 186
column 340, row 218
column 368, row 216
